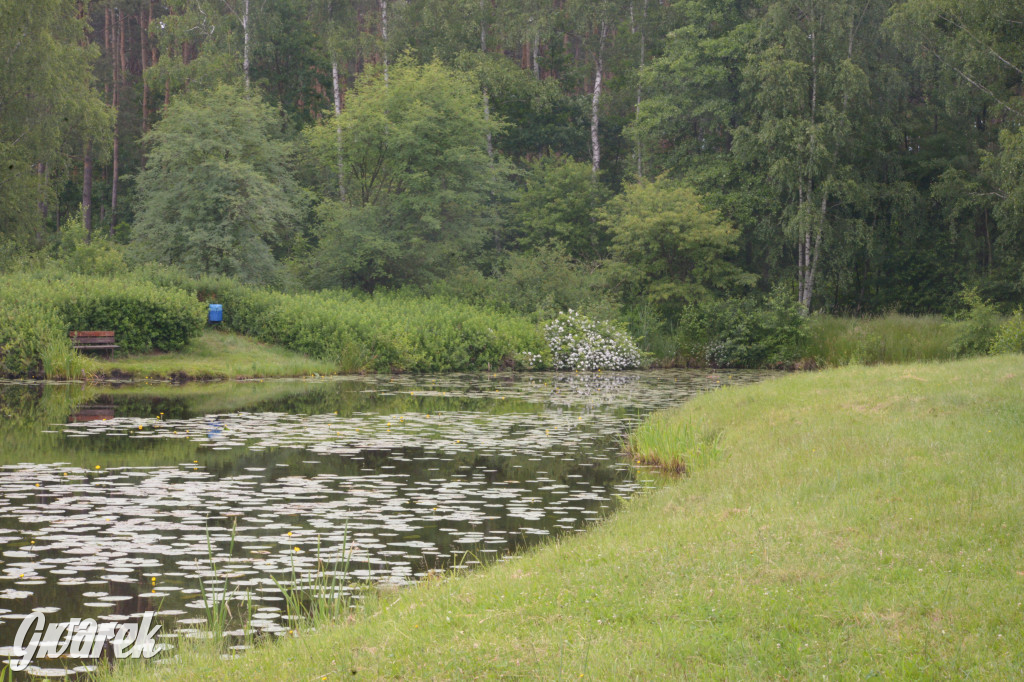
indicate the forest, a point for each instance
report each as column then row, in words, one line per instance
column 628, row 157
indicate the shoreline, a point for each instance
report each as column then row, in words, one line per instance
column 863, row 520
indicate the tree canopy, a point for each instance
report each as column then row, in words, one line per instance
column 866, row 155
column 217, row 195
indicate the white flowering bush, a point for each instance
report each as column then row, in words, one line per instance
column 580, row 343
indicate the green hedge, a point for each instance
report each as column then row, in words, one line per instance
column 39, row 309
column 382, row 333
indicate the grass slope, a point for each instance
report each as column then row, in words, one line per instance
column 215, row 355
column 861, row 522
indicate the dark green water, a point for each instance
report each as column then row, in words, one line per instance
column 117, row 500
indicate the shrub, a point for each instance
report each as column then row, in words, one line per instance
column 78, row 254
column 977, row 324
column 385, row 332
column 539, row 283
column 26, row 333
column 1010, row 337
column 580, row 343
column 747, row 332
column 143, row 316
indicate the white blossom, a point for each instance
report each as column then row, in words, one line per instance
column 580, row 343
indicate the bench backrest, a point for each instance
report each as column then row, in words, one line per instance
column 92, row 338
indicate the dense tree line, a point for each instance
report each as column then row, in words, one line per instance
column 863, row 154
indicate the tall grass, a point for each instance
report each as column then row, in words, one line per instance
column 388, row 332
column 889, row 339
column 673, row 445
column 322, row 597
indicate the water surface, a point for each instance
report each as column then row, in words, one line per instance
column 116, row 500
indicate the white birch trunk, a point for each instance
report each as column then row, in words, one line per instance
column 640, row 90
column 595, row 115
column 536, row 52
column 337, row 112
column 487, row 98
column 384, row 34
column 815, row 255
column 245, row 48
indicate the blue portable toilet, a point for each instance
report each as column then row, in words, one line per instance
column 216, row 312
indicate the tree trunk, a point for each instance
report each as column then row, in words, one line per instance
column 536, row 51
column 487, row 98
column 640, row 91
column 118, row 61
column 337, row 112
column 106, row 45
column 122, row 54
column 384, row 35
column 154, row 55
column 143, row 53
column 595, row 116
column 44, row 210
column 245, row 48
column 87, row 192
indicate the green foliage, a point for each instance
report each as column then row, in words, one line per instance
column 557, row 208
column 747, row 332
column 1004, row 171
column 81, row 255
column 383, row 333
column 872, row 151
column 580, row 343
column 143, row 316
column 667, row 248
column 540, row 283
column 48, row 105
column 419, row 186
column 29, row 333
column 1010, row 337
column 978, row 324
column 217, row 194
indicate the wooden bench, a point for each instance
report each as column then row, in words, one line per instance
column 89, row 341
column 91, row 413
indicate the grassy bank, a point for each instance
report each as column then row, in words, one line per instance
column 214, row 355
column 862, row 522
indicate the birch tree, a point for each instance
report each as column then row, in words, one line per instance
column 596, row 23
column 804, row 81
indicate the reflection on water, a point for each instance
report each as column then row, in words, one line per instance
column 120, row 500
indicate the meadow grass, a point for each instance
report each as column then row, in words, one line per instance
column 889, row 339
column 215, row 355
column 863, row 522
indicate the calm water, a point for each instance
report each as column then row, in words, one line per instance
column 116, row 500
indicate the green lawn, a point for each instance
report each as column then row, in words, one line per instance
column 865, row 522
column 214, row 355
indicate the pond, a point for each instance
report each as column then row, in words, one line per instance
column 118, row 500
